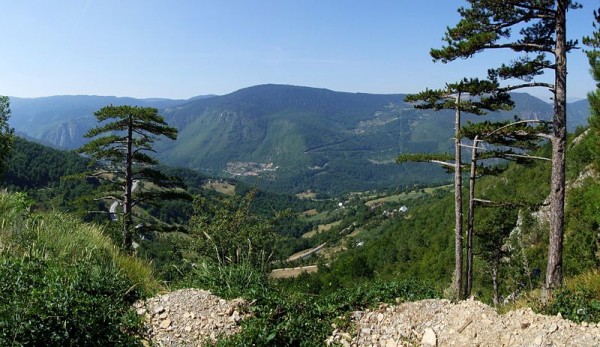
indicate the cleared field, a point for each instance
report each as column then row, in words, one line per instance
column 293, row 271
column 221, row 187
column 309, row 234
column 305, row 253
column 317, row 217
column 320, row 228
column 404, row 196
column 356, row 232
column 310, row 213
column 325, row 227
column 306, row 195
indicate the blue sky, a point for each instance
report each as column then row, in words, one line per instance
column 184, row 48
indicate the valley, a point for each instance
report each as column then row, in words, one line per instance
column 291, row 231
column 283, row 138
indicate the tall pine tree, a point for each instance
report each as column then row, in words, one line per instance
column 541, row 32
column 472, row 96
column 120, row 146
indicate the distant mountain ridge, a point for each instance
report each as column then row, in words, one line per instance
column 284, row 137
column 62, row 120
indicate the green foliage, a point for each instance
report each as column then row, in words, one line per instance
column 227, row 280
column 6, row 132
column 593, row 55
column 578, row 305
column 120, row 145
column 291, row 318
column 583, row 224
column 487, row 24
column 55, row 304
column 64, row 283
column 228, row 232
column 469, row 96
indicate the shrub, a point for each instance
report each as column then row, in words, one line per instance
column 292, row 318
column 227, row 280
column 578, row 305
column 45, row 303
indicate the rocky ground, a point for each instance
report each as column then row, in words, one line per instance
column 193, row 317
column 189, row 317
column 467, row 323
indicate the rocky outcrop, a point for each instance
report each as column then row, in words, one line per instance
column 467, row 323
column 189, row 317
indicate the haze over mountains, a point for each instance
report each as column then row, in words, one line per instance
column 284, row 137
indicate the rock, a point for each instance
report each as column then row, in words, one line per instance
column 165, row 323
column 429, row 338
column 466, row 323
column 235, row 317
column 189, row 317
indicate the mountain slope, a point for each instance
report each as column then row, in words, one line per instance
column 61, row 121
column 282, row 137
column 295, row 138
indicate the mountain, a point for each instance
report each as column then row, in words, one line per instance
column 283, row 137
column 61, row 121
column 296, row 138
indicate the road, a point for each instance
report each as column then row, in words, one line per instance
column 112, row 211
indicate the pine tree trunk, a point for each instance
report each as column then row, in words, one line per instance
column 559, row 141
column 471, row 218
column 457, row 204
column 127, row 203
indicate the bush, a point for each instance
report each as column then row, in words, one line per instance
column 579, row 300
column 45, row 303
column 227, row 280
column 579, row 305
column 292, row 318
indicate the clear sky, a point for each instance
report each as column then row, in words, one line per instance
column 184, row 48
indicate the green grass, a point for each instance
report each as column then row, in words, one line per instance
column 64, row 282
column 405, row 196
column 63, row 238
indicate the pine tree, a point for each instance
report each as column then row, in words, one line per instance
column 509, row 140
column 593, row 55
column 120, row 145
column 472, row 96
column 541, row 24
column 6, row 132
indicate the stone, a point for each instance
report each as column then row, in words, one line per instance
column 235, row 317
column 159, row 309
column 165, row 323
column 429, row 338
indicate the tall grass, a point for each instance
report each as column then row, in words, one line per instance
column 63, row 238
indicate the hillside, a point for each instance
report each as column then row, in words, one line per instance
column 374, row 253
column 61, row 121
column 280, row 137
column 297, row 138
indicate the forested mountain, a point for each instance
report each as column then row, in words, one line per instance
column 61, row 121
column 282, row 137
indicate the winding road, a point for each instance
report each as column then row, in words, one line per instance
column 112, row 211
